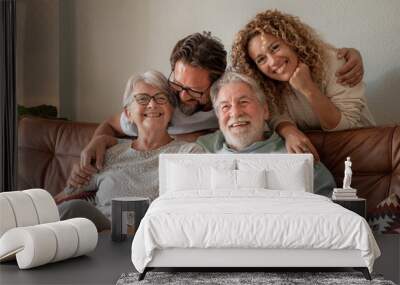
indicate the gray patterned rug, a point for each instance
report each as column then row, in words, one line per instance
column 243, row 278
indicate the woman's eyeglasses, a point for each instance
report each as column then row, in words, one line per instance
column 144, row 99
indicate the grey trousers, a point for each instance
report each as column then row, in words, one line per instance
column 83, row 209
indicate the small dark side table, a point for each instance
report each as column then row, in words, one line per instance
column 357, row 205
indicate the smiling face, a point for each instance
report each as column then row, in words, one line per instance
column 197, row 79
column 152, row 116
column 241, row 116
column 273, row 57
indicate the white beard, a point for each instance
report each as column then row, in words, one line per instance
column 239, row 142
column 244, row 138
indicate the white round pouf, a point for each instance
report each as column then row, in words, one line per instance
column 40, row 244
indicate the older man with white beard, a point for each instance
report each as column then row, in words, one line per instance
column 242, row 110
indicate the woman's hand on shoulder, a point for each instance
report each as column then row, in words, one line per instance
column 296, row 141
column 95, row 151
column 302, row 81
column 352, row 72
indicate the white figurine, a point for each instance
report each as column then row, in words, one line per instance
column 347, row 174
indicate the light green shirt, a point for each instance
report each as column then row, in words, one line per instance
column 215, row 143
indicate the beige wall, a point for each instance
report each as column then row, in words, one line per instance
column 37, row 52
column 103, row 42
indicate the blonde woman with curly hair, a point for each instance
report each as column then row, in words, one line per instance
column 296, row 71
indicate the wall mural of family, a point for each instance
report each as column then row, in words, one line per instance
column 283, row 80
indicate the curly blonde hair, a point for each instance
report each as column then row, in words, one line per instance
column 297, row 35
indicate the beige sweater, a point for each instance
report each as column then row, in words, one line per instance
column 351, row 103
column 129, row 172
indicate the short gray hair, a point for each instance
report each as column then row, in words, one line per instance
column 153, row 78
column 232, row 76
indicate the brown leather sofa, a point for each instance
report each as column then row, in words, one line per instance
column 48, row 149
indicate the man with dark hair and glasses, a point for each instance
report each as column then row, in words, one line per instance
column 197, row 61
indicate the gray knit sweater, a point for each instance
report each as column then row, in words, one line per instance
column 129, row 172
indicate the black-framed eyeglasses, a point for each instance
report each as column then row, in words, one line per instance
column 144, row 99
column 179, row 88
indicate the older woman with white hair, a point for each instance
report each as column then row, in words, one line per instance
column 131, row 166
